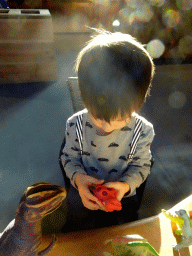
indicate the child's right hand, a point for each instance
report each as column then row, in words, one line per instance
column 84, row 182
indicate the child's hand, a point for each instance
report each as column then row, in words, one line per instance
column 84, row 182
column 120, row 187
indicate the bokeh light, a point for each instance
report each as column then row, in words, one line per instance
column 171, row 18
column 185, row 46
column 132, row 3
column 116, row 23
column 165, row 27
column 155, row 48
column 177, row 100
column 124, row 15
column 142, row 14
column 105, row 2
column 184, row 4
column 157, row 3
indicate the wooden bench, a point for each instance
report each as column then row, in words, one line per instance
column 27, row 51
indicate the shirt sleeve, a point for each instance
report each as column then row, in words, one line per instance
column 71, row 156
column 139, row 168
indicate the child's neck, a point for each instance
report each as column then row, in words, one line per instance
column 101, row 132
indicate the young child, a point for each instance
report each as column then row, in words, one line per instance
column 114, row 75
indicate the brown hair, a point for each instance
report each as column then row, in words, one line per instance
column 114, row 75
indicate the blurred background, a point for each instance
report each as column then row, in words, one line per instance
column 165, row 26
column 33, row 115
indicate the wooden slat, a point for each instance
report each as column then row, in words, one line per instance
column 28, row 72
column 26, row 29
column 24, row 14
column 26, row 52
column 75, row 94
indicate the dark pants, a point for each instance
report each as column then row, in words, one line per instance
column 81, row 218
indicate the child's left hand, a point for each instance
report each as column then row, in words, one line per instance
column 120, row 187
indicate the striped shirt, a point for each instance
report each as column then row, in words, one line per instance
column 123, row 155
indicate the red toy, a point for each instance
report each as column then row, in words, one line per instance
column 108, row 196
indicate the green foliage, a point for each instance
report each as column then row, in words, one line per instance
column 133, row 249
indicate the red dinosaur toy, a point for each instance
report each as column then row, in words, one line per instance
column 108, row 196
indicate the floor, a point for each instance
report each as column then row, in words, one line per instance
column 32, row 126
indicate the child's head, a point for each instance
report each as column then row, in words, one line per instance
column 114, row 74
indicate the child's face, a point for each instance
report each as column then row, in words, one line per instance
column 114, row 124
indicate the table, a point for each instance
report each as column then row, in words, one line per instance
column 158, row 231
